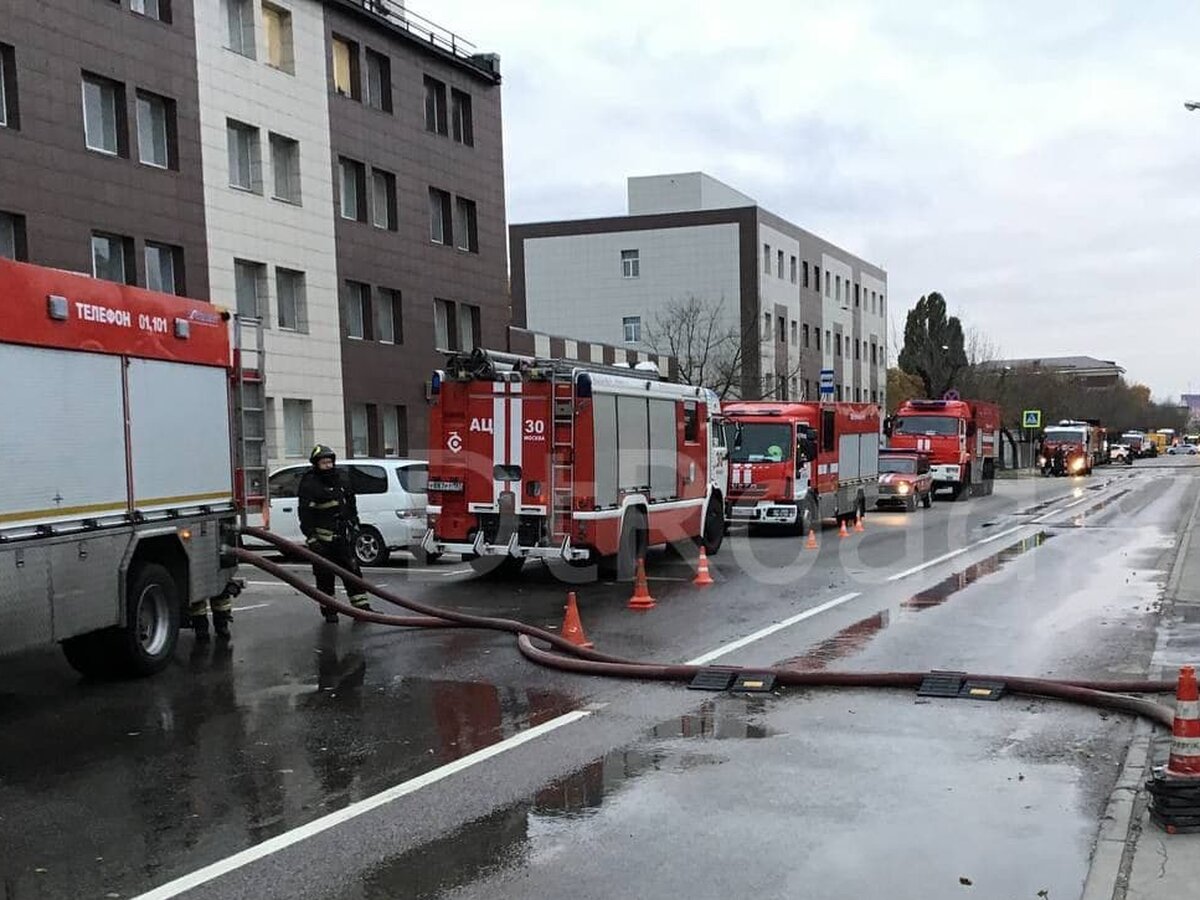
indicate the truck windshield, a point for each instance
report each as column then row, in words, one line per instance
column 897, row 464
column 762, row 442
column 926, row 425
column 1065, row 435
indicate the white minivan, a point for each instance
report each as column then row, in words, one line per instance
column 391, row 504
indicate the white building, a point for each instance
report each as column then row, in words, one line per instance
column 799, row 303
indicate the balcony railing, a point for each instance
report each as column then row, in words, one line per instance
column 394, row 13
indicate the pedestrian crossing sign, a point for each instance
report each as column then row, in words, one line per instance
column 1032, row 418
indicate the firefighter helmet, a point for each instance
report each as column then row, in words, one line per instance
column 321, row 452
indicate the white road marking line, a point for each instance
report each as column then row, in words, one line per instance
column 1002, row 534
column 771, row 629
column 251, row 606
column 268, row 583
column 354, row 810
column 456, row 572
column 933, row 562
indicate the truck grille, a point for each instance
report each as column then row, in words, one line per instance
column 531, row 530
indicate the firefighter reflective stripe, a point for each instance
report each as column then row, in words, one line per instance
column 324, row 534
column 328, row 504
column 361, row 601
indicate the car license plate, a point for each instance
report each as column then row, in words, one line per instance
column 445, row 486
column 743, row 513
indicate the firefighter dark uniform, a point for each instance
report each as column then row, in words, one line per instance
column 329, row 521
column 222, row 615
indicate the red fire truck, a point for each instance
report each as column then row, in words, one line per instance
column 1083, row 446
column 119, row 484
column 554, row 460
column 793, row 464
column 961, row 438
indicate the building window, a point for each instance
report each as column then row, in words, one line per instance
column 8, row 87
column 112, row 258
column 779, row 264
column 12, row 236
column 794, row 333
column 391, row 321
column 766, row 335
column 379, row 81
column 358, row 310
column 152, row 9
column 792, row 270
column 766, row 259
column 440, row 222
column 345, row 68
column 292, row 300
column 632, row 326
column 856, row 295
column 435, row 106
column 837, row 287
column 395, row 431
column 805, row 331
column 828, row 284
column 817, row 278
column 847, row 346
column 804, row 266
column 297, row 428
column 103, row 115
column 156, row 130
column 856, row 348
column 354, row 189
column 360, row 430
column 817, row 335
column 466, row 226
column 239, row 18
column 881, row 304
column 250, row 288
column 468, row 326
column 383, row 199
column 443, row 322
column 631, row 264
column 460, row 114
column 873, row 353
column 277, row 31
column 285, row 167
column 245, row 162
column 838, row 346
column 164, row 268
column 829, row 341
column 781, row 330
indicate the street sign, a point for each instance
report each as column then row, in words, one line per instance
column 1031, row 418
column 826, row 384
column 951, row 395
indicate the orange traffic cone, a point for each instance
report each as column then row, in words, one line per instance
column 858, row 525
column 811, row 543
column 702, row 577
column 1184, row 761
column 641, row 598
column 572, row 628
column 843, row 532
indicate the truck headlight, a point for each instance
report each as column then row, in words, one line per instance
column 1076, row 464
column 903, row 488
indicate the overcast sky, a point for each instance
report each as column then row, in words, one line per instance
column 1031, row 161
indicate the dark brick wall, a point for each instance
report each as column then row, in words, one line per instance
column 406, row 259
column 47, row 174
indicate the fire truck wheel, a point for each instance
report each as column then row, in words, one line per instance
column 714, row 528
column 632, row 546
column 145, row 644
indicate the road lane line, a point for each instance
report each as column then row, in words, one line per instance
column 251, row 606
column 354, row 810
column 929, row 563
column 771, row 629
column 1002, row 534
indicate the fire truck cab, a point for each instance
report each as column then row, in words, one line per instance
column 555, row 460
column 793, row 464
column 961, row 438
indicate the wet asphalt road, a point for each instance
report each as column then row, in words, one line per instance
column 110, row 790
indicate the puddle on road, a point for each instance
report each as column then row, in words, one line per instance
column 854, row 638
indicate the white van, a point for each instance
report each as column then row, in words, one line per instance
column 391, row 504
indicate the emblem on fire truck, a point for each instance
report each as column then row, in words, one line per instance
column 454, row 442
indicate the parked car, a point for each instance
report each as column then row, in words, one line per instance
column 391, row 505
column 1183, row 450
column 904, row 479
column 1120, row 453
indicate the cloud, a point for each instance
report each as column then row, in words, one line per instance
column 1031, row 161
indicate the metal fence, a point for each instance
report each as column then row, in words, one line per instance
column 395, row 14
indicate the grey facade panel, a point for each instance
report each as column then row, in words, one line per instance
column 64, row 190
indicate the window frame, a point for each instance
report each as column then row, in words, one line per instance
column 10, row 116
column 304, row 408
column 449, row 315
column 462, row 127
column 259, row 272
column 440, row 202
column 246, row 28
column 276, row 142
column 466, row 224
column 392, row 300
column 353, row 73
column 128, row 265
column 359, row 173
column 358, row 296
column 631, row 263
column 174, row 254
column 250, row 134
column 298, row 282
column 16, row 229
column 436, row 111
column 390, row 217
column 102, row 83
column 634, row 322
column 381, row 62
column 287, row 60
column 167, row 104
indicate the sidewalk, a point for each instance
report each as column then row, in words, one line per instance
column 1135, row 859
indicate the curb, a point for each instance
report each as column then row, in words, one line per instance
column 1125, row 816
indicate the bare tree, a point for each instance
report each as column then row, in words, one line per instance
column 710, row 350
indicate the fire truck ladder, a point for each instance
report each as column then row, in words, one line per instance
column 562, row 458
column 249, row 399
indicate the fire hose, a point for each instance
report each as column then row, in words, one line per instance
column 1108, row 695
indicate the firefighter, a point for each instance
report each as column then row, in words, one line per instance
column 329, row 521
column 222, row 615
